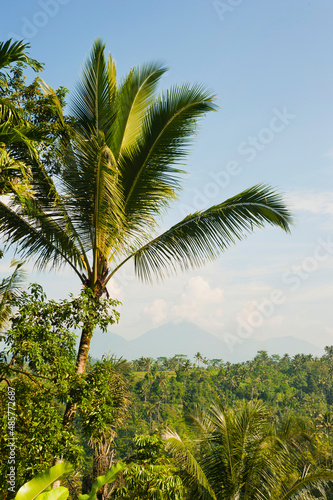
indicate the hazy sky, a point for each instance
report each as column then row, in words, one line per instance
column 270, row 65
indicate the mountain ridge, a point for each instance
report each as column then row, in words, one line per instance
column 186, row 338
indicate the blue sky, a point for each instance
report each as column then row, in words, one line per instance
column 270, row 65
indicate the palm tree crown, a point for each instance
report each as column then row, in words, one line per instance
column 121, row 170
column 240, row 456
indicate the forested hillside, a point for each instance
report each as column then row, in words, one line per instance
column 136, row 404
column 164, row 390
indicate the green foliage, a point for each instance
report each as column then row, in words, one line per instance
column 41, row 332
column 237, row 454
column 103, row 398
column 13, row 52
column 107, row 478
column 149, row 474
column 30, row 123
column 36, row 116
column 39, row 363
column 10, row 289
column 166, row 389
column 300, row 415
column 14, row 175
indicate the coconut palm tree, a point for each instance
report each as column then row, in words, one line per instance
column 17, row 144
column 240, row 457
column 14, row 52
column 198, row 358
column 18, row 137
column 121, row 170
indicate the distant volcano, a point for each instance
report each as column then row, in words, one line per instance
column 186, row 338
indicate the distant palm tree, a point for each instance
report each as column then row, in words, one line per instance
column 325, row 422
column 145, row 363
column 329, row 352
column 198, row 358
column 216, row 363
column 240, row 457
column 120, row 173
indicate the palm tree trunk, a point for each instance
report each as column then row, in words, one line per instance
column 81, row 362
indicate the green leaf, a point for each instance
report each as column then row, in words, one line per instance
column 37, row 485
column 202, row 236
column 10, row 288
column 13, row 52
column 102, row 480
column 60, row 493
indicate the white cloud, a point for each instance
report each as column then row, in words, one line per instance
column 311, row 201
column 256, row 314
column 158, row 311
column 246, row 312
column 115, row 290
column 199, row 304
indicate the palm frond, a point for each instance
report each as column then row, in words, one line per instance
column 12, row 52
column 93, row 98
column 50, row 92
column 309, row 485
column 9, row 112
column 13, row 134
column 149, row 170
column 48, row 204
column 195, row 479
column 202, row 236
column 14, row 175
column 134, row 97
column 41, row 236
column 10, row 289
column 93, row 194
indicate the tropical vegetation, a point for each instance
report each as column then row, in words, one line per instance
column 87, row 189
column 240, row 455
column 119, row 171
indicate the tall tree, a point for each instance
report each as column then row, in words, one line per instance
column 198, row 358
column 120, row 172
column 19, row 135
column 38, row 362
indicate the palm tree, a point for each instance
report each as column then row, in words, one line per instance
column 18, row 137
column 198, row 358
column 10, row 289
column 13, row 52
column 120, row 172
column 239, row 457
